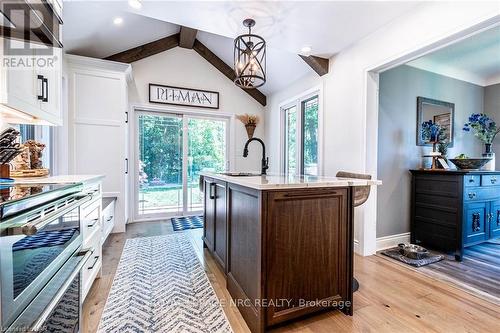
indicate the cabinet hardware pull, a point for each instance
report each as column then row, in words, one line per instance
column 493, row 180
column 93, row 224
column 212, row 191
column 472, row 195
column 109, row 218
column 126, row 166
column 96, row 259
column 45, row 92
column 498, row 218
column 40, row 97
column 471, row 180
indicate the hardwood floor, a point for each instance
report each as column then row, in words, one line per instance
column 478, row 273
column 391, row 298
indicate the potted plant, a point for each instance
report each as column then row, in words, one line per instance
column 485, row 129
column 250, row 122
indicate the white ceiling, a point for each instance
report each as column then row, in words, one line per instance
column 327, row 27
column 475, row 59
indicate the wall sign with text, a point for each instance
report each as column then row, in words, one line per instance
column 183, row 96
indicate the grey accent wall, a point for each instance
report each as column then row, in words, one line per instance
column 492, row 108
column 397, row 149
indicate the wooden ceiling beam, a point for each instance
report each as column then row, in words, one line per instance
column 184, row 36
column 218, row 63
column 187, row 37
column 146, row 50
column 318, row 64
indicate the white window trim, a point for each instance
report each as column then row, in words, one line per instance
column 296, row 100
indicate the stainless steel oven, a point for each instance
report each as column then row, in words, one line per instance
column 57, row 307
column 35, row 246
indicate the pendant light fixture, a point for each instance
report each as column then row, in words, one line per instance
column 249, row 59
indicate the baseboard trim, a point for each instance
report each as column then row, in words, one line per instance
column 392, row 240
column 356, row 247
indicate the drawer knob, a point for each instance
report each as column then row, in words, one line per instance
column 472, row 195
column 471, row 180
column 493, row 180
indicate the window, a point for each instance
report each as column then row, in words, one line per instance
column 300, row 136
column 42, row 134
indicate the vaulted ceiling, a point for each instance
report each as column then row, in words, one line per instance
column 325, row 27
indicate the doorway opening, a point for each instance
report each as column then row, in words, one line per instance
column 172, row 150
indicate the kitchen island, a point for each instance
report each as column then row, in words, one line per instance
column 284, row 242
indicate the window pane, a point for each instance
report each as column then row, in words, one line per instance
column 160, row 164
column 290, row 140
column 310, row 136
column 206, row 152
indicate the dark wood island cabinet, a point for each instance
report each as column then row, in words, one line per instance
column 287, row 251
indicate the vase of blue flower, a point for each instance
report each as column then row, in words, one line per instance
column 485, row 129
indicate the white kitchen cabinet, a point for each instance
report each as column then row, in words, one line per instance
column 51, row 104
column 98, row 131
column 32, row 84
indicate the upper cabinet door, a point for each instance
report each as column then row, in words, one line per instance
column 20, row 87
column 31, row 83
column 51, row 73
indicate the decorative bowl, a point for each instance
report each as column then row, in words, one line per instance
column 413, row 251
column 470, row 163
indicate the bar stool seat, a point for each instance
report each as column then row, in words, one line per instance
column 361, row 194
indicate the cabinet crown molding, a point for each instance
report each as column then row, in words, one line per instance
column 76, row 60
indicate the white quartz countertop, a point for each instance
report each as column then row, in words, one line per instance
column 63, row 179
column 278, row 181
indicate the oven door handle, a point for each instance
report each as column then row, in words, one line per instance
column 32, row 228
column 60, row 293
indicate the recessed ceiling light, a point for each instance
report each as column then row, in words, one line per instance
column 118, row 20
column 136, row 4
column 306, row 49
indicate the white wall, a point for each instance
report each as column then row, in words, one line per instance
column 350, row 111
column 185, row 68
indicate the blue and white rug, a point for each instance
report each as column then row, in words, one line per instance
column 187, row 222
column 160, row 286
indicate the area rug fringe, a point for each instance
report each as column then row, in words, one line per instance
column 161, row 286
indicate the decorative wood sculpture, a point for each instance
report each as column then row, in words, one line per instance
column 35, row 149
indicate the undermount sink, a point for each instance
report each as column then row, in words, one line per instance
column 240, row 174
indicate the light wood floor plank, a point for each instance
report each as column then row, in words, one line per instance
column 392, row 298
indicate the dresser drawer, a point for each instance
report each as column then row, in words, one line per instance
column 490, row 180
column 91, row 222
column 108, row 219
column 481, row 193
column 92, row 267
column 472, row 180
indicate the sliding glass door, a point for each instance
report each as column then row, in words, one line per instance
column 172, row 150
column 206, row 152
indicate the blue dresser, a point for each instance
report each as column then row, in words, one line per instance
column 454, row 209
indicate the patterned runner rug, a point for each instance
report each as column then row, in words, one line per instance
column 160, row 286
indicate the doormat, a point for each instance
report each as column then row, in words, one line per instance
column 395, row 254
column 187, row 222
